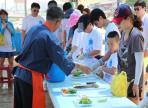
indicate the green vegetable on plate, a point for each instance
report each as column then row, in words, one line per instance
column 85, row 100
column 77, row 73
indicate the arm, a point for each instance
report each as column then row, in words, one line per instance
column 146, row 50
column 74, row 48
column 23, row 34
column 10, row 28
column 94, row 53
column 103, row 59
column 24, row 28
column 64, row 38
column 137, row 49
column 97, row 45
column 139, row 66
column 111, row 71
column 106, row 57
column 112, row 64
column 56, row 55
column 146, row 40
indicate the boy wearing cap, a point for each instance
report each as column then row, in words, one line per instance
column 130, row 54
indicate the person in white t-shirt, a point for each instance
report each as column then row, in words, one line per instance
column 68, row 10
column 110, row 67
column 98, row 17
column 31, row 20
column 58, row 32
column 140, row 10
column 76, row 43
column 92, row 41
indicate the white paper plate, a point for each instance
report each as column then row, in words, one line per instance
column 68, row 94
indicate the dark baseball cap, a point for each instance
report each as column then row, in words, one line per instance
column 122, row 12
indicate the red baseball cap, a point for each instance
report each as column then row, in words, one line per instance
column 122, row 12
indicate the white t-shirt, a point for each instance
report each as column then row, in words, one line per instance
column 76, row 41
column 145, row 30
column 111, row 62
column 110, row 27
column 92, row 41
column 58, row 33
column 30, row 21
column 65, row 27
column 8, row 46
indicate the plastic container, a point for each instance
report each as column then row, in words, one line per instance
column 55, row 74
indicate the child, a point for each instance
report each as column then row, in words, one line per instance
column 92, row 41
column 110, row 67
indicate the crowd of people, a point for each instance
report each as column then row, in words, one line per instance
column 75, row 32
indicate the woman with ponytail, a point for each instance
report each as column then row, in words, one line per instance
column 131, row 52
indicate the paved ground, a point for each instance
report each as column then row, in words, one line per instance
column 6, row 98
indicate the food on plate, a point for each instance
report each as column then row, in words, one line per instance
column 77, row 73
column 85, row 100
column 69, row 91
column 86, row 86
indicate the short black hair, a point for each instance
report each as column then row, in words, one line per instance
column 54, row 14
column 67, row 6
column 85, row 20
column 35, row 5
column 80, row 7
column 52, row 2
column 2, row 11
column 87, row 10
column 95, row 15
column 141, row 3
column 113, row 34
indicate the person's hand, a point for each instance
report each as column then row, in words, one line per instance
column 84, row 69
column 103, row 67
column 100, row 74
column 4, row 25
column 136, row 90
column 69, row 56
column 82, row 56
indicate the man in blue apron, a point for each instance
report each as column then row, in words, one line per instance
column 41, row 48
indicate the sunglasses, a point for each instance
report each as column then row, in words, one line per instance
column 136, row 9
